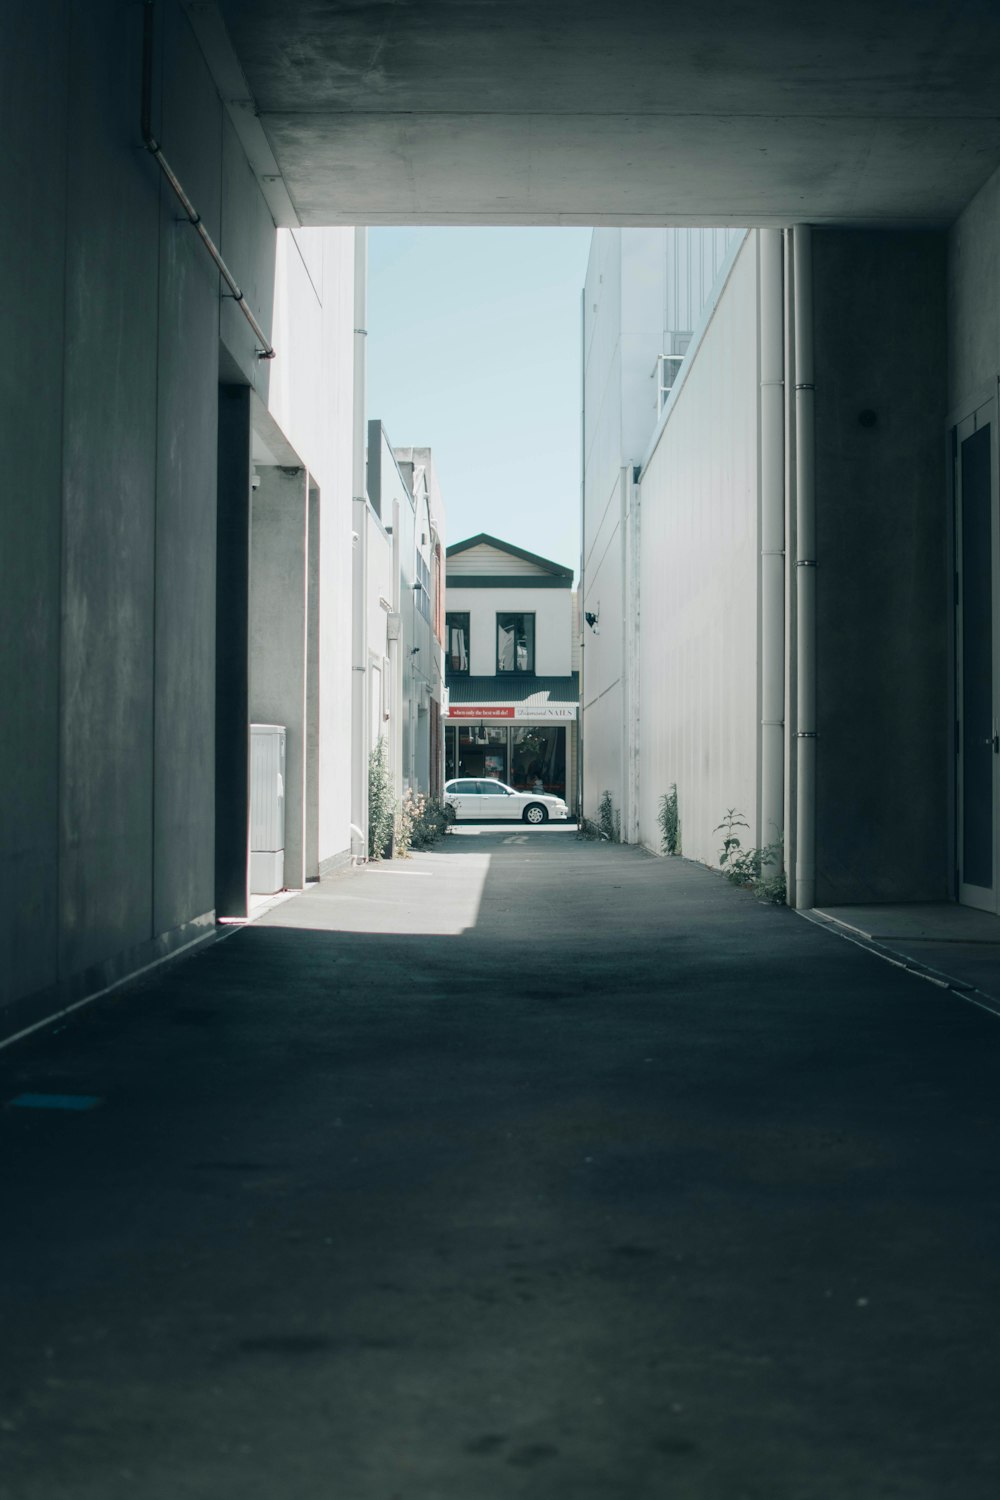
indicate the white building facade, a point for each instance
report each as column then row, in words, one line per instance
column 644, row 292
column 814, row 572
column 512, row 667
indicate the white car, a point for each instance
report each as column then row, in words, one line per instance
column 486, row 798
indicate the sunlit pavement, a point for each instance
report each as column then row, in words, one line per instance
column 618, row 1185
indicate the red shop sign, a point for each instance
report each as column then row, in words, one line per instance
column 485, row 711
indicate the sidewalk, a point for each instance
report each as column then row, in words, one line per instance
column 951, row 945
column 529, row 1169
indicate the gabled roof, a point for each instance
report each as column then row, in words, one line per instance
column 485, row 540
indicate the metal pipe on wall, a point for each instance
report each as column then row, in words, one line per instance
column 772, row 541
column 805, row 573
column 360, row 712
column 630, row 612
column 581, row 595
column 266, row 351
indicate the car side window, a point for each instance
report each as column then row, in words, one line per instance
column 490, row 789
column 463, row 787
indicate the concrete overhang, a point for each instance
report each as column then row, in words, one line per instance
column 641, row 112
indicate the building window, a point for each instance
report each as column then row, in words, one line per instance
column 538, row 759
column 669, row 367
column 422, row 589
column 457, row 630
column 515, row 643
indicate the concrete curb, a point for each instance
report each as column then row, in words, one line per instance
column 958, row 987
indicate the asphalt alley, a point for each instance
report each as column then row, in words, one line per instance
column 533, row 1167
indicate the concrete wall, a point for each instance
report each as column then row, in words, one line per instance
column 698, row 585
column 603, row 647
column 35, row 71
column 382, row 699
column 552, row 609
column 109, row 587
column 883, row 649
column 279, row 552
column 603, row 495
column 311, row 399
column 973, row 277
column 409, row 521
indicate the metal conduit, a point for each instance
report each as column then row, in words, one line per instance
column 772, row 543
column 805, row 573
column 266, row 351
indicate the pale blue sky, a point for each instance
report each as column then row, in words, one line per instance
column 474, row 351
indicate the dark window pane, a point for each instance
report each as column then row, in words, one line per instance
column 515, row 643
column 457, row 642
column 538, row 759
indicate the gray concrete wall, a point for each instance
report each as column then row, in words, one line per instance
column 974, row 300
column 187, row 426
column 35, row 66
column 278, row 637
column 109, row 508
column 883, row 625
column 110, row 397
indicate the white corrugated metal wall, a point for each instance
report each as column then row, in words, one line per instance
column 694, row 258
column 698, row 585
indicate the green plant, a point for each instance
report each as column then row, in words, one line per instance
column 380, row 802
column 758, row 870
column 420, row 823
column 670, row 823
column 608, row 821
column 731, row 843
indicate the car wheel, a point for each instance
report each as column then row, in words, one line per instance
column 535, row 813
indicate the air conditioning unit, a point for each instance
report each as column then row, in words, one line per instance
column 267, row 808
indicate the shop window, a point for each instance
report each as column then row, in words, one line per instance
column 482, row 751
column 457, row 631
column 515, row 643
column 538, row 759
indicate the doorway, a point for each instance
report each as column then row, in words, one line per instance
column 977, row 744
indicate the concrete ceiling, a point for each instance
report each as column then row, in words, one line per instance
column 637, row 112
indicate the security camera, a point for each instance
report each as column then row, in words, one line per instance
column 255, row 481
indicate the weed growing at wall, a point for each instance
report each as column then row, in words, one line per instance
column 420, row 823
column 380, row 802
column 757, row 870
column 670, row 822
column 608, row 820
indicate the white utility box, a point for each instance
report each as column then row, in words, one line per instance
column 267, row 808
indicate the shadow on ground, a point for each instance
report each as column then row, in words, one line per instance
column 634, row 1187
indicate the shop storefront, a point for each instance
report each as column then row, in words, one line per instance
column 528, row 748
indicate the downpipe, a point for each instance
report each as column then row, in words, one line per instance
column 805, row 573
column 772, row 545
column 360, row 708
column 632, row 604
